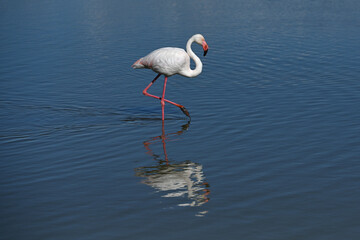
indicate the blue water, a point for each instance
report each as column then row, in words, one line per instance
column 271, row 152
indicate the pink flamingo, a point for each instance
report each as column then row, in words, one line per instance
column 170, row 61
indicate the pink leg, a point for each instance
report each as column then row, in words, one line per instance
column 152, row 82
column 183, row 109
column 163, row 100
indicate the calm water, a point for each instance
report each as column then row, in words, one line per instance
column 272, row 151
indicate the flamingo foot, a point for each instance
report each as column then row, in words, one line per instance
column 185, row 111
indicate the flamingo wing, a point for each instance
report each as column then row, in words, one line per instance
column 167, row 61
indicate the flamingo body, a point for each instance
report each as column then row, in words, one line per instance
column 169, row 61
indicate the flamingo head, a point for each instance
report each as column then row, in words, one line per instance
column 199, row 39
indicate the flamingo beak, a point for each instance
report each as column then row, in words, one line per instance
column 205, row 47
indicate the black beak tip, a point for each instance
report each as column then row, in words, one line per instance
column 205, row 52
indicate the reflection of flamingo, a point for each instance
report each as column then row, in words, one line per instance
column 175, row 179
column 164, row 137
column 185, row 179
column 170, row 61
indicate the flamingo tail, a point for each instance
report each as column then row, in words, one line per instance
column 138, row 64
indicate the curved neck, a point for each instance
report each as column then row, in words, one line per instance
column 198, row 63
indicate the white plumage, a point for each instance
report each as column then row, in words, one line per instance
column 168, row 61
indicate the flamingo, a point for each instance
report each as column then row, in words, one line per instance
column 170, row 61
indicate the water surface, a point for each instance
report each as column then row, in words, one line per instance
column 272, row 150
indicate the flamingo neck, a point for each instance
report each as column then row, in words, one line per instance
column 198, row 63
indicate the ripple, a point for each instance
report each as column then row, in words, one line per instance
column 272, row 144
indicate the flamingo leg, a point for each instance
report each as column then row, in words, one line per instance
column 182, row 108
column 163, row 100
column 152, row 82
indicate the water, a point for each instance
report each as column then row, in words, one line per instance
column 272, row 150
